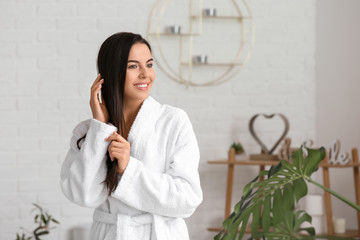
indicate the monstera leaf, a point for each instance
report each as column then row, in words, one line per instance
column 270, row 203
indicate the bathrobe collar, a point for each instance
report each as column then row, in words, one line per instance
column 143, row 126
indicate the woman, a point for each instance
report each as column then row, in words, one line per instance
column 136, row 161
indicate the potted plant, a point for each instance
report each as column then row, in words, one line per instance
column 239, row 149
column 43, row 220
column 271, row 202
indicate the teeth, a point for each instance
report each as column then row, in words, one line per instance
column 141, row 85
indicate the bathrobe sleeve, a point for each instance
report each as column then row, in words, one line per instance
column 175, row 193
column 84, row 170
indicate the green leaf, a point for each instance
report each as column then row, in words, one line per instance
column 218, row 236
column 55, row 221
column 243, row 226
column 38, row 207
column 43, row 233
column 277, row 207
column 302, row 217
column 288, row 222
column 43, row 218
column 288, row 197
column 300, row 188
column 266, row 214
column 297, row 158
column 255, row 220
column 312, row 161
column 248, row 186
column 274, row 169
column 227, row 222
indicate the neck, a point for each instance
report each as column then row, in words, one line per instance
column 131, row 108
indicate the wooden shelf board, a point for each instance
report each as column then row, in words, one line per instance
column 245, row 162
column 176, row 34
column 221, row 17
column 218, row 229
column 348, row 233
column 339, row 165
column 266, row 162
column 212, row 64
column 215, row 229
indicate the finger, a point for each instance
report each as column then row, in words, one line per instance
column 121, row 139
column 116, row 144
column 113, row 138
column 119, row 156
column 97, row 79
column 116, row 137
column 97, row 84
column 95, row 89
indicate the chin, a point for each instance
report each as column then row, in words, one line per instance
column 139, row 97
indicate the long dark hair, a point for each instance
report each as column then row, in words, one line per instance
column 112, row 64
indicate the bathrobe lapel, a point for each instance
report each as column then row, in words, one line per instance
column 143, row 129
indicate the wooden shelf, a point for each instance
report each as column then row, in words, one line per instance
column 339, row 165
column 222, row 17
column 212, row 64
column 269, row 163
column 349, row 233
column 175, row 34
column 218, row 229
column 215, row 229
column 245, row 162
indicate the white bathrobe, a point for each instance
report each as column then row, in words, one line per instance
column 159, row 187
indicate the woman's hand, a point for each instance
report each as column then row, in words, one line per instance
column 98, row 109
column 119, row 149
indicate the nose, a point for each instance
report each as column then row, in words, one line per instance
column 143, row 72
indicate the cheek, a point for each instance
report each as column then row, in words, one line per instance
column 153, row 75
column 128, row 81
column 130, row 76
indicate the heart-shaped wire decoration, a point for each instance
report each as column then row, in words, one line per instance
column 255, row 136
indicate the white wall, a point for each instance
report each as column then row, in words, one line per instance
column 338, row 88
column 47, row 63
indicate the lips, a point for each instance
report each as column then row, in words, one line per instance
column 142, row 86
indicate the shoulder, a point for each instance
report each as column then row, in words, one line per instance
column 178, row 126
column 175, row 113
column 171, row 114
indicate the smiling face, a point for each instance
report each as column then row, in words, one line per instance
column 140, row 74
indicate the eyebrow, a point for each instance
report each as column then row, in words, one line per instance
column 135, row 61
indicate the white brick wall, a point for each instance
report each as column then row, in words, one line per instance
column 47, row 62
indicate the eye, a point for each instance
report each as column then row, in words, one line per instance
column 132, row 66
column 150, row 65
